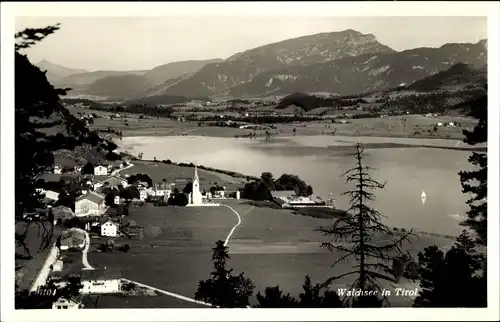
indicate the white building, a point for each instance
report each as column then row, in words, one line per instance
column 117, row 200
column 64, row 303
column 439, row 124
column 57, row 170
column 98, row 185
column 101, row 170
column 109, row 229
column 99, row 281
column 195, row 197
column 48, row 194
column 143, row 194
column 162, row 190
column 91, row 204
column 78, row 169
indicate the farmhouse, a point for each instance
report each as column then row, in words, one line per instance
column 109, row 229
column 101, row 170
column 71, row 303
column 162, row 190
column 91, row 204
column 57, row 170
column 289, row 199
column 72, row 238
column 143, row 194
column 99, row 281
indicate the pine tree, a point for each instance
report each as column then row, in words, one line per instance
column 361, row 229
column 454, row 279
column 475, row 181
column 224, row 289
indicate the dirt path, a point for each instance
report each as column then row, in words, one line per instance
column 85, row 252
column 235, row 226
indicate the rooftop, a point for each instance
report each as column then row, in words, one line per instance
column 92, row 196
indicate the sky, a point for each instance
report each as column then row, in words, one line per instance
column 125, row 43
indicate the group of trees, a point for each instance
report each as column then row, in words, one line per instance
column 178, row 198
column 140, row 177
column 309, row 102
column 261, row 189
column 455, row 278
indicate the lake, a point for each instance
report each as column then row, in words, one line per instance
column 321, row 160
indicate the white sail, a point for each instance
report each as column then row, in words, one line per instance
column 423, row 197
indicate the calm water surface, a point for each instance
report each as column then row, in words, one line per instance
column 321, row 160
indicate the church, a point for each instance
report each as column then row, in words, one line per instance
column 195, row 197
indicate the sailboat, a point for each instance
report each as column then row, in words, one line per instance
column 423, row 197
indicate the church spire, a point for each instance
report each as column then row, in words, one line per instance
column 195, row 178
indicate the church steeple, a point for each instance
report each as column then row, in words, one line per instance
column 195, row 178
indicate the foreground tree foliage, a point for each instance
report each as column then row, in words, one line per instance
column 459, row 277
column 224, row 289
column 475, row 181
column 361, row 229
column 454, row 279
column 312, row 296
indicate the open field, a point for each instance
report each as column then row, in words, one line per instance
column 416, row 126
column 176, row 250
column 271, row 246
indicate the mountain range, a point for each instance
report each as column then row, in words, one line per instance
column 343, row 63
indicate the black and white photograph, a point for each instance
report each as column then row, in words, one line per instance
column 235, row 156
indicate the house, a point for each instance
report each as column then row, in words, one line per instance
column 98, row 185
column 51, row 195
column 68, row 303
column 61, row 213
column 91, row 204
column 101, row 170
column 78, row 169
column 109, row 229
column 72, row 238
column 282, row 197
column 439, row 124
column 162, row 190
column 117, row 200
column 143, row 194
column 57, row 170
column 101, row 281
column 451, row 124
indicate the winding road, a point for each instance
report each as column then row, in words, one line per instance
column 235, row 226
column 85, row 251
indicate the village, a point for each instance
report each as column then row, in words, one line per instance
column 98, row 218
